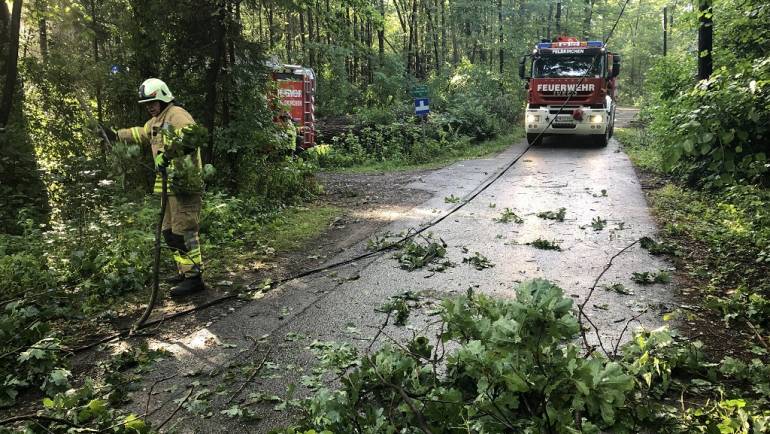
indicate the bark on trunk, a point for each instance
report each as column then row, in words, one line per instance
column 11, row 66
column 381, row 33
column 705, row 39
column 212, row 76
column 42, row 26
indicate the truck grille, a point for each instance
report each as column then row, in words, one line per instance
column 566, row 110
column 562, row 125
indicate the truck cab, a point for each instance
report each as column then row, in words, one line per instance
column 571, row 89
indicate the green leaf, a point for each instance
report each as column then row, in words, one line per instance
column 133, row 423
column 97, row 406
column 706, row 137
column 727, row 137
column 582, row 388
column 687, row 145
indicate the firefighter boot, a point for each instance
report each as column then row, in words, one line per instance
column 189, row 285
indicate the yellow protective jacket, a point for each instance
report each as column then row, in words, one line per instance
column 172, row 118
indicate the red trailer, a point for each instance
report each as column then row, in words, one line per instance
column 296, row 89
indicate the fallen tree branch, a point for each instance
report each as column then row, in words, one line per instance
column 581, row 307
column 251, row 377
column 149, row 393
column 39, row 418
column 620, row 338
column 759, row 336
column 179, row 407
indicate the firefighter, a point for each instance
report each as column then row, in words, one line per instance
column 183, row 164
column 288, row 135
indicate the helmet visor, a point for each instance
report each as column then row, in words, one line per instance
column 144, row 96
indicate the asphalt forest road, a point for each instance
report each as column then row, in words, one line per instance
column 589, row 182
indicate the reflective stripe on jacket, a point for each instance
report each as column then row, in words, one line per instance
column 172, row 118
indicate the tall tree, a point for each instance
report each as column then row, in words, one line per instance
column 11, row 60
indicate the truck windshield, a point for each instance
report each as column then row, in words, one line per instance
column 567, row 66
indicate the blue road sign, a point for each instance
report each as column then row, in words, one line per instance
column 421, row 106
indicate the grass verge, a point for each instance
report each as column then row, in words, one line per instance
column 721, row 242
column 478, row 150
column 287, row 230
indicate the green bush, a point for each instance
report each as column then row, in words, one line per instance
column 513, row 366
column 716, row 133
column 279, row 182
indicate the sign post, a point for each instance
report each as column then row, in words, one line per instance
column 421, row 104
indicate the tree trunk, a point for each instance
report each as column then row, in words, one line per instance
column 98, row 87
column 411, row 52
column 212, row 76
column 11, row 65
column 289, row 36
column 443, row 30
column 434, row 35
column 310, row 38
column 381, row 34
column 42, row 25
column 705, row 39
column 302, row 41
column 500, row 36
column 455, row 48
column 270, row 26
column 356, row 47
column 558, row 19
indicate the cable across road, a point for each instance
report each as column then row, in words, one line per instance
column 409, row 235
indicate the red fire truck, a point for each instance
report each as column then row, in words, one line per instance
column 583, row 72
column 296, row 89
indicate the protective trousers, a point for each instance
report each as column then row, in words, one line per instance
column 180, row 230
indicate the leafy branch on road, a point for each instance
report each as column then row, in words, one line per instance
column 553, row 215
column 415, row 254
column 451, row 199
column 478, row 261
column 598, row 223
column 648, row 278
column 513, row 366
column 544, row 244
column 508, row 216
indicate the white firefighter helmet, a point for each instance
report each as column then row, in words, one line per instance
column 154, row 89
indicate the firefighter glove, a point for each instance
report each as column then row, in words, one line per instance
column 161, row 160
column 108, row 133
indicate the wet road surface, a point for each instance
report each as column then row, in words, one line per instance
column 591, row 183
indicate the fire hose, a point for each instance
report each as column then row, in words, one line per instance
column 156, row 260
column 163, row 203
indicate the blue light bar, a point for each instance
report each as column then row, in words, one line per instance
column 595, row 44
column 544, row 45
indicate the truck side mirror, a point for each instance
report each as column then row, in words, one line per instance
column 615, row 65
column 523, row 67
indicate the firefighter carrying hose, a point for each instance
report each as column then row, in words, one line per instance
column 165, row 133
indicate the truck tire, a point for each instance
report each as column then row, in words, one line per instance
column 534, row 140
column 601, row 140
column 612, row 123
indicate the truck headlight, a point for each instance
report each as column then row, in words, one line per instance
column 596, row 119
column 533, row 118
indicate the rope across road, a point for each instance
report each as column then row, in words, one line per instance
column 489, row 181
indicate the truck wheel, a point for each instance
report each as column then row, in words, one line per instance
column 612, row 123
column 534, row 140
column 601, row 140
